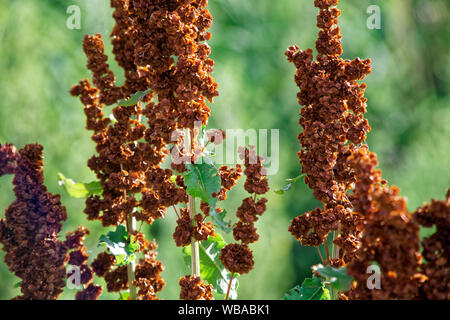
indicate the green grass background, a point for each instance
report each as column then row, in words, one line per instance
column 408, row 109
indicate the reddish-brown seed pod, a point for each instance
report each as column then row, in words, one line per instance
column 193, row 288
column 8, row 154
column 117, row 279
column 245, row 232
column 148, row 276
column 103, row 263
column 91, row 292
column 250, row 210
column 184, row 229
column 237, row 258
column 436, row 249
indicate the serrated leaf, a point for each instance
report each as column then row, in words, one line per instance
column 337, row 278
column 211, row 268
column 202, row 180
column 291, row 182
column 118, row 244
column 79, row 189
column 311, row 289
column 134, row 99
column 218, row 220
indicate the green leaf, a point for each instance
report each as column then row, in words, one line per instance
column 311, row 289
column 291, row 182
column 124, row 296
column 211, row 268
column 202, row 180
column 218, row 219
column 134, row 99
column 118, row 244
column 18, row 284
column 337, row 278
column 79, row 189
column 284, row 189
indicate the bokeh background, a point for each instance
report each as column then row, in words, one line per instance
column 408, row 109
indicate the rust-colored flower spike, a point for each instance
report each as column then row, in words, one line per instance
column 238, row 258
column 332, row 118
column 390, row 235
column 146, row 37
column 371, row 218
column 29, row 232
column 436, row 249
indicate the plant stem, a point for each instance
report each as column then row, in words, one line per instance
column 229, row 286
column 131, row 229
column 327, row 251
column 195, row 252
column 335, row 255
column 320, row 254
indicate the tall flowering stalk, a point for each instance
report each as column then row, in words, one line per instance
column 238, row 258
column 29, row 232
column 161, row 46
column 333, row 127
column 370, row 219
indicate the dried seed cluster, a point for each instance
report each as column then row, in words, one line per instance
column 78, row 257
column 193, row 288
column 29, row 232
column 436, row 249
column 238, row 258
column 148, row 271
column 390, row 236
column 8, row 155
column 186, row 229
column 333, row 127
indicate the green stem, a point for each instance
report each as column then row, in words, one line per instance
column 335, row 255
column 229, row 286
column 195, row 252
column 131, row 227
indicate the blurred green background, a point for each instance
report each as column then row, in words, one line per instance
column 408, row 109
